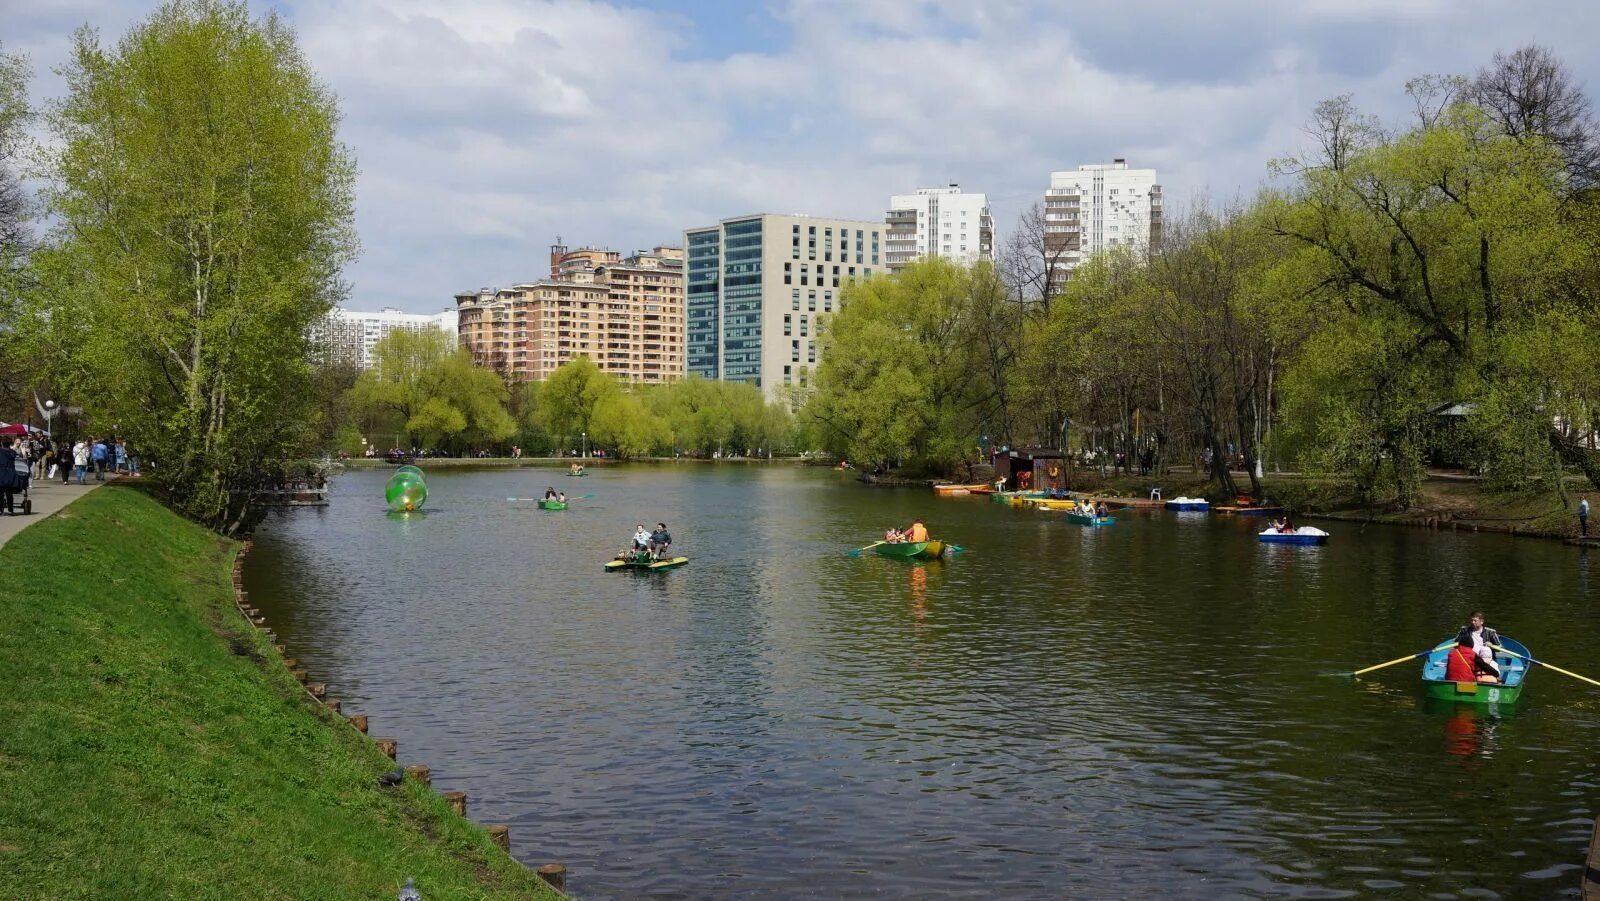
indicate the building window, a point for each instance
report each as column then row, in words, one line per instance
column 796, row 299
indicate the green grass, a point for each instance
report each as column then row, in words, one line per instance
column 152, row 745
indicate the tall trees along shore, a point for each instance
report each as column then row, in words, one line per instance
column 1404, row 293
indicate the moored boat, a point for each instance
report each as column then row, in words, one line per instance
column 1188, row 503
column 1302, row 535
column 551, row 504
column 641, row 562
column 1248, row 510
column 1507, row 691
column 957, row 489
column 1084, row 519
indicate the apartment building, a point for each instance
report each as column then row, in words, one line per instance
column 351, row 335
column 1100, row 206
column 754, row 286
column 624, row 314
column 938, row 222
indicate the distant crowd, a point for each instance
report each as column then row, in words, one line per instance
column 26, row 458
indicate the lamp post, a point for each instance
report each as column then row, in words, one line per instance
column 585, row 453
column 49, row 411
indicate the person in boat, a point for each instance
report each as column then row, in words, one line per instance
column 893, row 536
column 916, row 531
column 660, row 540
column 575, row 467
column 641, row 538
column 1463, row 664
column 1101, row 510
column 549, row 493
column 1482, row 638
column 561, row 496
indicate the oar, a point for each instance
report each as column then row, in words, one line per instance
column 1395, row 661
column 857, row 551
column 1546, row 665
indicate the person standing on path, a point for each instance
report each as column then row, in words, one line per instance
column 98, row 454
column 1583, row 517
column 8, row 474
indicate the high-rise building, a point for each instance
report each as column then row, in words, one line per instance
column 624, row 314
column 351, row 336
column 938, row 222
column 755, row 284
column 1097, row 207
column 564, row 262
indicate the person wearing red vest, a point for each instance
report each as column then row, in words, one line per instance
column 1462, row 664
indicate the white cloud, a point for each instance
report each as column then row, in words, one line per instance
column 484, row 128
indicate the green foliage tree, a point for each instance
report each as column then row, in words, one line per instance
column 567, row 400
column 203, row 204
column 434, row 392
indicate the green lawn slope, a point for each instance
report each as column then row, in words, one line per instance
column 153, row 746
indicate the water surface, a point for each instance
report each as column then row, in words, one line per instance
column 1058, row 711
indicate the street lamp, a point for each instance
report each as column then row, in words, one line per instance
column 48, row 411
column 585, row 453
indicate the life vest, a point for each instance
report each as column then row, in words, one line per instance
column 1460, row 665
column 919, row 532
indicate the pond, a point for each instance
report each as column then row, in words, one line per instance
column 1056, row 710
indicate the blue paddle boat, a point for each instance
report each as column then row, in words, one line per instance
column 1302, row 535
column 1197, row 504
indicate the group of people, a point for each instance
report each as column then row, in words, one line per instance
column 654, row 543
column 551, row 494
column 25, row 458
column 1284, row 524
column 912, row 533
column 1097, row 511
column 1472, row 658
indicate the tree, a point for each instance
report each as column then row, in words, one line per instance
column 1531, row 94
column 567, row 400
column 1033, row 260
column 434, row 392
column 17, row 370
column 204, row 206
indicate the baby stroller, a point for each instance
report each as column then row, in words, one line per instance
column 24, row 479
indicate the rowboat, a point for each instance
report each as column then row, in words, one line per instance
column 1248, row 510
column 957, row 489
column 551, row 504
column 906, row 550
column 578, row 473
column 1047, row 503
column 1188, row 503
column 1084, row 519
column 1507, row 691
column 641, row 562
column 1302, row 535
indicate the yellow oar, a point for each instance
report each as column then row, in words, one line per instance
column 857, row 551
column 1402, row 659
column 1546, row 665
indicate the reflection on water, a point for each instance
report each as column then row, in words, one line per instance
column 1057, row 711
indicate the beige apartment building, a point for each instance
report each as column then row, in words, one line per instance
column 624, row 314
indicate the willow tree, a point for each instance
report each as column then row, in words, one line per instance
column 204, row 205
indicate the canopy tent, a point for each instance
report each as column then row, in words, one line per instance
column 16, row 429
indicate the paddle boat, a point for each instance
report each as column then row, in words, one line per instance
column 932, row 549
column 1188, row 503
column 576, row 472
column 1084, row 519
column 1301, row 535
column 1508, row 690
column 1249, row 510
column 551, row 504
column 640, row 561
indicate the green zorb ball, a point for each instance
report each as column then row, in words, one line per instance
column 406, row 491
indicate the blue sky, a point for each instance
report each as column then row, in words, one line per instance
column 484, row 128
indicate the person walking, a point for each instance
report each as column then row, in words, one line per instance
column 97, row 456
column 8, row 474
column 80, row 460
column 1583, row 517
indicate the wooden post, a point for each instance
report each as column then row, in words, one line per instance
column 501, row 833
column 420, row 772
column 359, row 720
column 333, row 704
column 457, row 802
column 319, row 690
column 388, row 746
column 291, row 662
column 554, row 875
column 302, row 675
column 280, row 648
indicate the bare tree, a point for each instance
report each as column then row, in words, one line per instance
column 1532, row 93
column 1033, row 259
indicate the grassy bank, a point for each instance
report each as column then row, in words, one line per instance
column 154, row 746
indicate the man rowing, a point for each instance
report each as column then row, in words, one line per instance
column 1481, row 638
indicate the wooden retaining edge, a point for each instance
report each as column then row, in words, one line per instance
column 553, row 875
column 1434, row 522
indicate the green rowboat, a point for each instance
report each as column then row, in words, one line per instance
column 1083, row 519
column 552, row 504
column 906, row 550
column 1507, row 691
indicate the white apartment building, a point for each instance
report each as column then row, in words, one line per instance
column 938, row 222
column 755, row 285
column 352, row 335
column 1097, row 207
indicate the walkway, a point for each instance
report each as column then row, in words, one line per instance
column 48, row 497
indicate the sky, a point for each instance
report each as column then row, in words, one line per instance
column 484, row 129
